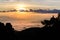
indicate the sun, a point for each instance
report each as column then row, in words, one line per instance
column 21, row 7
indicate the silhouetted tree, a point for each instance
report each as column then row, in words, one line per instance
column 10, row 31
column 1, row 27
column 53, row 24
column 9, row 27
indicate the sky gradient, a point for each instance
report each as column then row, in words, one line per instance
column 52, row 4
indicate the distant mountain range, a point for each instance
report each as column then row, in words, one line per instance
column 36, row 10
column 41, row 11
column 45, row 11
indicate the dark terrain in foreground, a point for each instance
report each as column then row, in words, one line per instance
column 50, row 30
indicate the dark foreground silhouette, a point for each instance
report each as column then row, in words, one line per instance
column 50, row 30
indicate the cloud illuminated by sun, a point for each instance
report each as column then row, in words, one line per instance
column 20, row 7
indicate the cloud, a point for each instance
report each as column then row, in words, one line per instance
column 6, row 18
column 7, row 0
column 13, row 0
column 34, row 2
column 29, row 0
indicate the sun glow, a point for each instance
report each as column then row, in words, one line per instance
column 21, row 7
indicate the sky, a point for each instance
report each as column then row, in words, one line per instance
column 52, row 4
column 19, row 19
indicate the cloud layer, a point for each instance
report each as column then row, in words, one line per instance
column 51, row 3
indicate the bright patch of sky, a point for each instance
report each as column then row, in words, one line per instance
column 39, row 3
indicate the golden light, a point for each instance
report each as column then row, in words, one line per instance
column 21, row 7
